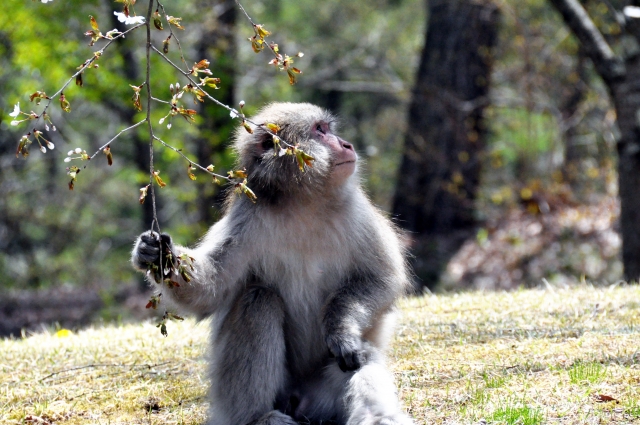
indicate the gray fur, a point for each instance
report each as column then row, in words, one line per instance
column 309, row 273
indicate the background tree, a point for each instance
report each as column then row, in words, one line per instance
column 439, row 176
column 620, row 72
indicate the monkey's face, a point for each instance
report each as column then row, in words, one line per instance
column 312, row 129
column 343, row 155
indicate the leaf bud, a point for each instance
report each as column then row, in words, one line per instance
column 157, row 20
column 143, row 193
column 64, row 103
column 107, row 152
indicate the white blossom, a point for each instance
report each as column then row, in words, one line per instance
column 67, row 159
column 78, row 150
column 631, row 11
column 50, row 145
column 16, row 111
column 129, row 20
column 169, row 126
column 43, row 149
column 46, row 1
column 14, row 122
column 234, row 114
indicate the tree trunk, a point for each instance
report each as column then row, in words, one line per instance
column 621, row 74
column 440, row 171
column 626, row 98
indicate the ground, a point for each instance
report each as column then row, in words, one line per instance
column 553, row 355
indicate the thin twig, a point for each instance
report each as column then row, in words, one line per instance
column 151, row 169
column 276, row 54
column 237, row 114
column 173, row 34
column 97, row 54
column 114, row 138
column 160, row 100
column 179, row 152
column 94, row 365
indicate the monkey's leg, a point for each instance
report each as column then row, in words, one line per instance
column 371, row 397
column 366, row 396
column 248, row 367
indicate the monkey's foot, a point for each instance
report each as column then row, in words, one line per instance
column 274, row 418
column 399, row 419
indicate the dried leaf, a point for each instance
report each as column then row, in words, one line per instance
column 156, row 176
column 175, row 21
column 143, row 193
column 238, row 174
column 303, row 158
column 241, row 188
column 107, row 152
column 602, row 398
column 273, row 127
column 189, row 169
column 154, row 301
column 94, row 23
column 261, row 31
column 38, row 96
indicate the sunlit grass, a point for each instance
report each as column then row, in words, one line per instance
column 589, row 372
column 524, row 357
column 512, row 414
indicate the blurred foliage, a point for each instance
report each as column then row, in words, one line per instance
column 360, row 59
column 552, row 124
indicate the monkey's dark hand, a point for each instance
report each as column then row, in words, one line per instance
column 146, row 253
column 347, row 349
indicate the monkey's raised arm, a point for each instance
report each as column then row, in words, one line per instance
column 218, row 264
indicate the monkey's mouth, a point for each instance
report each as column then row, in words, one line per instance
column 345, row 162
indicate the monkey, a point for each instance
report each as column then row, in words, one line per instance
column 300, row 286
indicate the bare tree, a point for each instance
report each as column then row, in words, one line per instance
column 440, row 171
column 621, row 74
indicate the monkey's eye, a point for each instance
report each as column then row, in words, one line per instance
column 267, row 143
column 319, row 129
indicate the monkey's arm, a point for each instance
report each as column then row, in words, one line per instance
column 217, row 266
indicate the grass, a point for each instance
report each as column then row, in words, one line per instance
column 511, row 414
column 590, row 372
column 527, row 357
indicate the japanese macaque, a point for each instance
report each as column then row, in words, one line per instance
column 301, row 285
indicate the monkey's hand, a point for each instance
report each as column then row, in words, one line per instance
column 147, row 251
column 348, row 351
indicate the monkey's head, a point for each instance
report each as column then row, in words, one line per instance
column 312, row 129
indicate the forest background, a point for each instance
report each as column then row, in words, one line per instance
column 540, row 201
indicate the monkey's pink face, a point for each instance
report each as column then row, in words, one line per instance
column 342, row 152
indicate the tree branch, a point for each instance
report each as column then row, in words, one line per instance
column 607, row 63
column 156, row 222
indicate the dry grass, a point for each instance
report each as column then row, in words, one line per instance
column 523, row 357
column 526, row 357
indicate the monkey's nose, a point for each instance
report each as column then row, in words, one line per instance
column 347, row 145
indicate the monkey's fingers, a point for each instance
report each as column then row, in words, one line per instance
column 148, row 247
column 347, row 352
